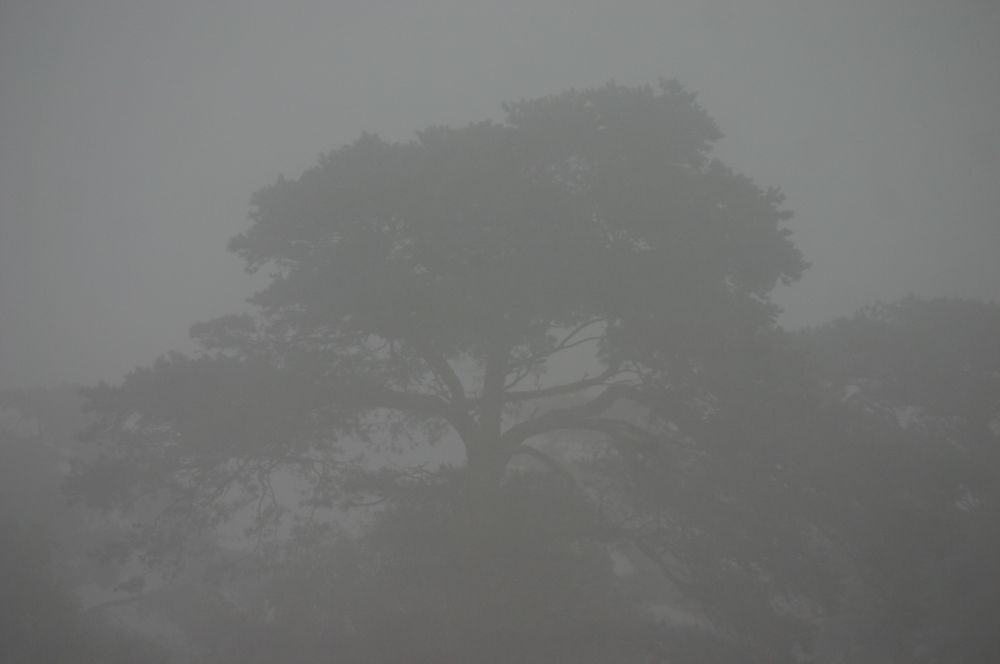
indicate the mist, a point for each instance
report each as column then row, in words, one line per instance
column 134, row 135
column 500, row 332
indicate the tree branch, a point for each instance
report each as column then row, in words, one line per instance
column 588, row 417
column 524, row 370
column 560, row 418
column 565, row 343
column 442, row 370
column 515, row 396
column 459, row 414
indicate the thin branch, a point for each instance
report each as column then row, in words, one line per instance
column 539, row 358
column 266, row 489
column 565, row 343
column 578, row 342
column 441, row 369
column 525, row 370
column 560, row 418
column 459, row 414
column 567, row 388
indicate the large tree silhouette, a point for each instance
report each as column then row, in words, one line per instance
column 491, row 284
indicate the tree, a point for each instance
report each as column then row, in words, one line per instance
column 586, row 265
column 440, row 279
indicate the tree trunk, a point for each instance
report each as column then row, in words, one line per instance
column 485, row 465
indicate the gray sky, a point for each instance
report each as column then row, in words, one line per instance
column 133, row 132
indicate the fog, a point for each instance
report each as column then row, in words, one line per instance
column 134, row 133
column 499, row 332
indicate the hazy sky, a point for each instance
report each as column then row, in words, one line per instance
column 133, row 132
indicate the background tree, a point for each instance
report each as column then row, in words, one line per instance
column 919, row 388
column 836, row 503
